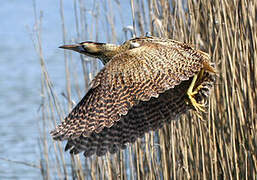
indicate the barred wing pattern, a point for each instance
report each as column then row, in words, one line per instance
column 144, row 117
column 137, row 91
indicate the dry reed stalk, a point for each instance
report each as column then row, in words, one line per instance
column 224, row 145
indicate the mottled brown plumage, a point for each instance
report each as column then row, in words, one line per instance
column 146, row 82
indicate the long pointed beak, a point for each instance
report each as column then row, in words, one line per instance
column 74, row 47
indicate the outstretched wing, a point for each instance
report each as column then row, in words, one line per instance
column 130, row 77
column 142, row 118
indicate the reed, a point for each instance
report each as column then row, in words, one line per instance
column 222, row 146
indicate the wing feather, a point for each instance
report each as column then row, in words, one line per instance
column 142, row 118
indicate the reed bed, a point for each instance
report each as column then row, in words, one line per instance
column 221, row 146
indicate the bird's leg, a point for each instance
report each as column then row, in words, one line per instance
column 191, row 92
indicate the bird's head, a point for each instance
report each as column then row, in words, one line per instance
column 103, row 51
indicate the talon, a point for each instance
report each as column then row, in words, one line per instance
column 198, row 106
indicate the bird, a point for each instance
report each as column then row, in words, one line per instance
column 145, row 82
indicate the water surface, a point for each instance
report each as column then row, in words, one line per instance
column 20, row 77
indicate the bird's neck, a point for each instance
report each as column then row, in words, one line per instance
column 107, row 52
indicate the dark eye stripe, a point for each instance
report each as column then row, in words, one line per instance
column 91, row 42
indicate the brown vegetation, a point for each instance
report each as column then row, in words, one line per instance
column 223, row 146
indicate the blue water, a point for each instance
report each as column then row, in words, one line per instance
column 20, row 75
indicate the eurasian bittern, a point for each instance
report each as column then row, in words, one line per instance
column 146, row 82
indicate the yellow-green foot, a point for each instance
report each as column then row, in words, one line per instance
column 198, row 106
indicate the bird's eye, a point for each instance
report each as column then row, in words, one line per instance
column 92, row 47
column 148, row 34
column 134, row 45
